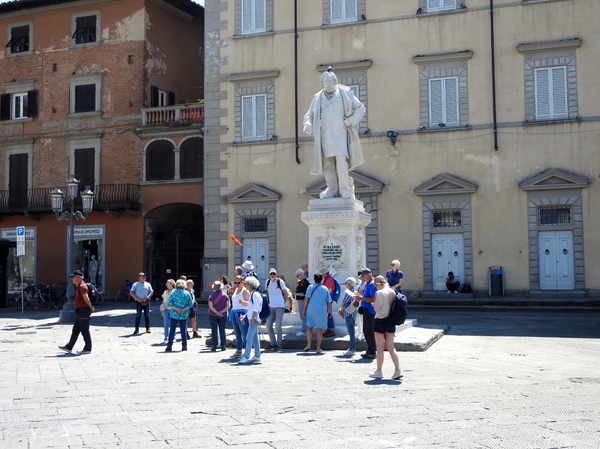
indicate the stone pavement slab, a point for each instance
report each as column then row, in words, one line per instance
column 493, row 381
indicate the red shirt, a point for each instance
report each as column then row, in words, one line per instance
column 80, row 290
column 329, row 283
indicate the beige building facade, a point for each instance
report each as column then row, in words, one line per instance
column 481, row 148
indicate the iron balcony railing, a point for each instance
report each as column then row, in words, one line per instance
column 173, row 115
column 106, row 197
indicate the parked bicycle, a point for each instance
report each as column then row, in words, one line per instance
column 36, row 296
column 58, row 294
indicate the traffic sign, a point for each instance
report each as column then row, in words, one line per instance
column 20, row 249
column 21, row 234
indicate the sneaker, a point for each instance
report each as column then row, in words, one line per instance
column 368, row 356
column 300, row 334
column 278, row 349
column 165, row 341
column 455, row 291
column 65, row 348
column 329, row 333
column 361, row 337
column 377, row 374
column 84, row 352
column 243, row 361
column 135, row 332
column 169, row 349
column 148, row 330
column 223, row 348
column 271, row 347
column 213, row 349
column 349, row 353
column 254, row 359
column 397, row 374
column 195, row 335
column 184, row 348
column 236, row 355
column 448, row 292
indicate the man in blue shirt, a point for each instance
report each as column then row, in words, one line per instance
column 141, row 292
column 367, row 299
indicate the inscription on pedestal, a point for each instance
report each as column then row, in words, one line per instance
column 331, row 253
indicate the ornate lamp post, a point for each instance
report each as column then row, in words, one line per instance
column 57, row 197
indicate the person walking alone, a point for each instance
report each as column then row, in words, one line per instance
column 83, row 310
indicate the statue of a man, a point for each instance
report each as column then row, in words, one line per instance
column 333, row 115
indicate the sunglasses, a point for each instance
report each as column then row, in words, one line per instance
column 272, row 274
column 237, row 282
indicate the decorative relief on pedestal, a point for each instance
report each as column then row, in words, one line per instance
column 335, row 215
column 359, row 249
column 332, row 249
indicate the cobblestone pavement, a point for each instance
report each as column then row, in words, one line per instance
column 496, row 380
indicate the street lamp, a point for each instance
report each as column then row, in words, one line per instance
column 57, row 197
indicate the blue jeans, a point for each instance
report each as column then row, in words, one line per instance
column 330, row 320
column 350, row 325
column 166, row 322
column 217, row 322
column 240, row 329
column 299, row 309
column 138, row 315
column 183, row 330
column 252, row 339
column 277, row 317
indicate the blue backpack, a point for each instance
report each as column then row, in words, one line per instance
column 265, row 311
column 337, row 291
column 398, row 310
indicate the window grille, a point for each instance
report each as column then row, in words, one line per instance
column 554, row 216
column 447, row 219
column 255, row 225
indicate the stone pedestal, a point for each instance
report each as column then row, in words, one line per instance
column 336, row 236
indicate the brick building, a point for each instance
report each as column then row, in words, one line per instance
column 110, row 92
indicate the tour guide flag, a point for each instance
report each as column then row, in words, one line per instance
column 232, row 237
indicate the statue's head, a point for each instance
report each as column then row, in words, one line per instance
column 329, row 81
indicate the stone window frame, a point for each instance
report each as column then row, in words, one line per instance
column 548, row 54
column 79, row 142
column 75, row 16
column 254, row 83
column 18, row 148
column 20, row 88
column 353, row 73
column 269, row 19
column 361, row 10
column 9, row 28
column 81, row 79
column 444, row 65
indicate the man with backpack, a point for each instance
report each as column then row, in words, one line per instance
column 83, row 310
column 334, row 291
column 277, row 294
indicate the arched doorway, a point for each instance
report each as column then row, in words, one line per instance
column 174, row 243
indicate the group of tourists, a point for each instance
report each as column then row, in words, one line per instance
column 366, row 299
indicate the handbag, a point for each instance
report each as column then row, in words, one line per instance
column 361, row 310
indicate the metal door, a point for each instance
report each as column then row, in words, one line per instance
column 556, row 260
column 257, row 250
column 447, row 255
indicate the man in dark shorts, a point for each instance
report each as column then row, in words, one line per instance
column 83, row 310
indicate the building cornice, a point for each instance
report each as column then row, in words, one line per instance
column 562, row 44
column 364, row 64
column 443, row 57
column 253, row 75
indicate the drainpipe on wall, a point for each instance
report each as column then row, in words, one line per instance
column 493, row 74
column 296, row 76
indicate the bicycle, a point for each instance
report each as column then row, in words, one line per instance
column 35, row 296
column 58, row 294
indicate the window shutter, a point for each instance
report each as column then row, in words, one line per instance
column 247, row 117
column 542, row 93
column 336, row 10
column 451, row 97
column 79, row 98
column 171, row 98
column 90, row 97
column 261, row 116
column 449, row 4
column 434, row 5
column 260, row 15
column 351, row 12
column 435, row 102
column 5, row 107
column 247, row 16
column 153, row 96
column 192, row 160
column 17, row 180
column 84, row 167
column 32, row 97
column 559, row 91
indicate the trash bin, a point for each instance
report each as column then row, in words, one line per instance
column 496, row 281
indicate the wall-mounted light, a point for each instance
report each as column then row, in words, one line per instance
column 392, row 136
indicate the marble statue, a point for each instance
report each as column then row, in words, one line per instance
column 333, row 116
